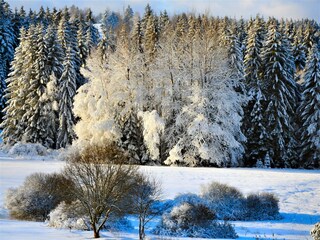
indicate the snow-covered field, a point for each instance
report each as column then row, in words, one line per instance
column 298, row 191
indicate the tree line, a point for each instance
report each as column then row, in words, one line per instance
column 180, row 90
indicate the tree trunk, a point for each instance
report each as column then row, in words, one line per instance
column 96, row 234
column 141, row 230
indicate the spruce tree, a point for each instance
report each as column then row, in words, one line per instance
column 92, row 34
column 16, row 95
column 54, row 68
column 253, row 126
column 37, row 116
column 150, row 39
column 299, row 50
column 310, row 112
column 67, row 90
column 83, row 50
column 7, row 43
column 280, row 89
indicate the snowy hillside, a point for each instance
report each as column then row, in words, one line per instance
column 298, row 191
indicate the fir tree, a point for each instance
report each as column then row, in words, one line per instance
column 127, row 18
column 67, row 90
column 83, row 50
column 136, row 36
column 299, row 51
column 7, row 43
column 132, row 139
column 280, row 89
column 16, row 95
column 310, row 112
column 37, row 116
column 252, row 124
column 92, row 34
column 150, row 39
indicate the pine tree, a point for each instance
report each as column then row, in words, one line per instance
column 64, row 31
column 280, row 89
column 150, row 39
column 136, row 36
column 37, row 116
column 163, row 20
column 7, row 43
column 148, row 12
column 310, row 112
column 132, row 139
column 253, row 126
column 67, row 90
column 92, row 34
column 83, row 50
column 54, row 68
column 16, row 95
column 127, row 18
column 299, row 51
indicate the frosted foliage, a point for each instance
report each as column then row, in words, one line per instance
column 153, row 126
column 210, row 125
column 28, row 149
column 92, row 105
column 65, row 216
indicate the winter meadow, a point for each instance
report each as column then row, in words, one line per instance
column 157, row 125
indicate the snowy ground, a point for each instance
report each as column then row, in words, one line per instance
column 298, row 191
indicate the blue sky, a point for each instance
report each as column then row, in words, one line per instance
column 234, row 8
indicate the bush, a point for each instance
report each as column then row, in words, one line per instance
column 28, row 149
column 39, row 194
column 72, row 216
column 193, row 220
column 315, row 232
column 263, row 206
column 68, row 216
column 226, row 201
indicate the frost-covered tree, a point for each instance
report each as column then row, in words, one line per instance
column 92, row 34
column 67, row 90
column 7, row 43
column 64, row 30
column 37, row 116
column 252, row 123
column 150, row 38
column 280, row 89
column 207, row 138
column 92, row 106
column 127, row 18
column 83, row 49
column 153, row 127
column 132, row 140
column 16, row 94
column 299, row 50
column 310, row 112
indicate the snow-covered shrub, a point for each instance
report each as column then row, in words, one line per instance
column 315, row 232
column 28, row 149
column 68, row 216
column 262, row 206
column 226, row 201
column 72, row 216
column 190, row 198
column 193, row 220
column 39, row 194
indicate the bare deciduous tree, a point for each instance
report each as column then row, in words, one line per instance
column 147, row 191
column 102, row 181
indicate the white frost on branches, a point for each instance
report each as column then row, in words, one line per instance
column 153, row 126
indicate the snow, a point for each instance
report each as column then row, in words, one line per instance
column 298, row 191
